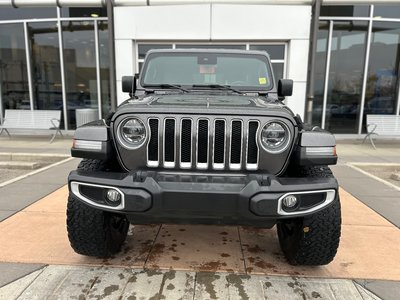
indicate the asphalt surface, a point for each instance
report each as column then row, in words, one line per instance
column 7, row 174
column 20, row 194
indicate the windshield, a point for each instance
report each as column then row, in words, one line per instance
column 240, row 71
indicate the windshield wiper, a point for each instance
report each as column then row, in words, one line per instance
column 168, row 86
column 217, row 86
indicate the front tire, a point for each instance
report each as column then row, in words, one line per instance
column 312, row 240
column 91, row 231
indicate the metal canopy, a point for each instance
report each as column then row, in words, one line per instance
column 98, row 3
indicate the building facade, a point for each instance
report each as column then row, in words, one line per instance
column 58, row 57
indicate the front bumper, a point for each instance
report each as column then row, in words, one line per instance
column 236, row 199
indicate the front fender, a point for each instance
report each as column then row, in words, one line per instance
column 92, row 141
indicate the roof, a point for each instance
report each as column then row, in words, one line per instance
column 211, row 50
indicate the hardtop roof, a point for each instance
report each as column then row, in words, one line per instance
column 210, row 50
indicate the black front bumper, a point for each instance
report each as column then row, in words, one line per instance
column 239, row 199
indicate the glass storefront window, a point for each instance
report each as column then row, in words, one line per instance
column 278, row 69
column 274, row 51
column 104, row 68
column 83, row 12
column 46, row 71
column 320, row 70
column 144, row 48
column 80, row 69
column 210, row 46
column 79, row 59
column 383, row 69
column 345, row 11
column 346, row 76
column 14, row 88
column 387, row 11
column 10, row 13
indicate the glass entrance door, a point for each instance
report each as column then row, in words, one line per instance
column 346, row 76
column 383, row 70
column 80, row 71
column 46, row 70
column 14, row 87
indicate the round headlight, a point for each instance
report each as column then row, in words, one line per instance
column 275, row 137
column 132, row 133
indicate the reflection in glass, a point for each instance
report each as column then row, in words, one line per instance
column 387, row 11
column 80, row 69
column 345, row 11
column 345, row 76
column 278, row 70
column 14, row 88
column 46, row 72
column 10, row 13
column 383, row 69
column 274, row 51
column 319, row 75
column 211, row 46
column 144, row 48
column 83, row 12
column 104, row 67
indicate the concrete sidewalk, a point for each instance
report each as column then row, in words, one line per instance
column 233, row 249
column 66, row 282
column 35, row 144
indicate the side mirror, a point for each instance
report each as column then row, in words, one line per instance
column 129, row 84
column 285, row 88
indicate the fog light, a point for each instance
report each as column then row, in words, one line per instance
column 113, row 196
column 289, row 201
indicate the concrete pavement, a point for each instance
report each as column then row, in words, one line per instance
column 22, row 193
column 378, row 197
column 66, row 282
column 35, row 144
column 242, row 250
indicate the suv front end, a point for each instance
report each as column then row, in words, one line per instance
column 224, row 156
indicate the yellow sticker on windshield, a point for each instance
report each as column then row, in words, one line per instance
column 262, row 80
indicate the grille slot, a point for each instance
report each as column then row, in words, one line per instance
column 202, row 144
column 252, row 148
column 236, row 144
column 186, row 142
column 152, row 149
column 219, row 143
column 216, row 143
column 169, row 143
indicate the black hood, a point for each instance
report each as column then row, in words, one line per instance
column 205, row 102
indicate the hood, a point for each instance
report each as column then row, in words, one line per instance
column 201, row 104
column 201, row 101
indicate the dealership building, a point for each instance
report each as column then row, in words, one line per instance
column 70, row 55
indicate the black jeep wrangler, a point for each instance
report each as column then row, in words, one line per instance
column 205, row 138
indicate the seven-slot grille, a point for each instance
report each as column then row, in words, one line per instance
column 212, row 143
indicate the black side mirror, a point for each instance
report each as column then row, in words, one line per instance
column 129, row 85
column 285, row 88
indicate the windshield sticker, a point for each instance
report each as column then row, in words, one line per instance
column 262, row 80
column 207, row 69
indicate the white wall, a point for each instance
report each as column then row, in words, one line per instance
column 216, row 22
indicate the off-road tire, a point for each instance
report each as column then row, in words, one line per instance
column 312, row 240
column 91, row 231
